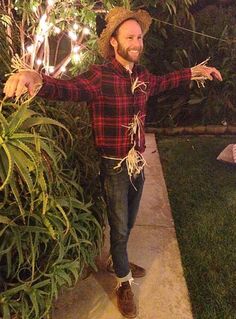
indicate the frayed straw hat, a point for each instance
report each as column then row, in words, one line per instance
column 114, row 19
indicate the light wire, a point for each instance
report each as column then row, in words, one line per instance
column 195, row 32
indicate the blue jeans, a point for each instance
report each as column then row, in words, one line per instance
column 122, row 199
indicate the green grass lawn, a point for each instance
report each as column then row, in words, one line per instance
column 202, row 193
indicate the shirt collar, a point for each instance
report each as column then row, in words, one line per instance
column 120, row 69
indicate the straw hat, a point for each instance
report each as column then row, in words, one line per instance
column 114, row 19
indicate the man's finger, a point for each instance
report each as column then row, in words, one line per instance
column 10, row 86
column 6, row 88
column 210, row 77
column 21, row 89
column 33, row 88
column 214, row 73
column 217, row 75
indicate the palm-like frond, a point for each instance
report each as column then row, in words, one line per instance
column 47, row 235
column 21, row 152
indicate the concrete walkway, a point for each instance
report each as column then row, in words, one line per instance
column 162, row 294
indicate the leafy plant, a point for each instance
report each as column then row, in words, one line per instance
column 51, row 217
column 47, row 235
column 25, row 155
column 176, row 49
column 218, row 105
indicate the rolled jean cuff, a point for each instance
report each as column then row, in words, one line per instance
column 126, row 278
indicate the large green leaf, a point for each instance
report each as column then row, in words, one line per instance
column 6, row 220
column 7, row 165
column 22, row 163
column 18, row 118
column 30, row 122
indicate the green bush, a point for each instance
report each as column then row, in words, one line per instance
column 175, row 49
column 48, row 230
column 51, row 208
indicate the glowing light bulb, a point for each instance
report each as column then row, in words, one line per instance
column 45, row 27
column 75, row 26
column 39, row 62
column 39, row 38
column 86, row 31
column 72, row 35
column 76, row 48
column 30, row 48
column 76, row 58
column 57, row 30
column 43, row 19
column 34, row 8
column 51, row 69
column 63, row 69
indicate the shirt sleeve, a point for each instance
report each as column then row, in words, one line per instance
column 84, row 87
column 169, row 81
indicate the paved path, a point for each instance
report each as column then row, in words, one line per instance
column 162, row 294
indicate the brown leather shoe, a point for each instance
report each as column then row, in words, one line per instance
column 125, row 300
column 137, row 271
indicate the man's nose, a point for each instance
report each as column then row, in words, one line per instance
column 137, row 42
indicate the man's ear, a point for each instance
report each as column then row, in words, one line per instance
column 113, row 42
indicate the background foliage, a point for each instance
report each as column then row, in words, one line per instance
column 52, row 213
column 175, row 48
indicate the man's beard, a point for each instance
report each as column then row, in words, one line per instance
column 124, row 53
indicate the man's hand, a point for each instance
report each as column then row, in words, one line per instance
column 21, row 82
column 203, row 72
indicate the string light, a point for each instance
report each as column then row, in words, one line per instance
column 57, row 30
column 76, row 48
column 63, row 69
column 86, row 31
column 51, row 2
column 34, row 9
column 75, row 26
column 76, row 58
column 51, row 69
column 45, row 27
column 72, row 35
column 39, row 38
column 42, row 34
column 43, row 19
column 39, row 62
column 30, row 48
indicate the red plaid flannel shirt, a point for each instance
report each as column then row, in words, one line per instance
column 107, row 89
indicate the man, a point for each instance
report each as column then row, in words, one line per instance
column 117, row 92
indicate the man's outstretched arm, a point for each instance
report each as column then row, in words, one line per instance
column 199, row 73
column 84, row 87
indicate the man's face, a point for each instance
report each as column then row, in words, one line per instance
column 128, row 43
